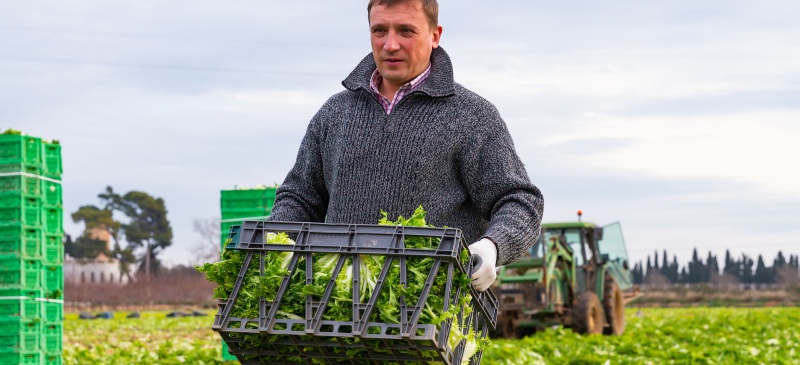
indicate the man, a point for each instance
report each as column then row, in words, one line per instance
column 404, row 134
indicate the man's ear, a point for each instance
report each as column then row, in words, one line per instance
column 437, row 36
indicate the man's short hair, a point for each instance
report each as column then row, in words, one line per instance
column 431, row 8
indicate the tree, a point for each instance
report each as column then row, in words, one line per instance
column 655, row 261
column 148, row 227
column 208, row 246
column 97, row 222
column 780, row 261
column 673, row 273
column 87, row 246
column 746, row 269
column 731, row 267
column 712, row 268
column 69, row 246
column 695, row 268
column 762, row 274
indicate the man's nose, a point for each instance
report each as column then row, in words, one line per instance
column 391, row 42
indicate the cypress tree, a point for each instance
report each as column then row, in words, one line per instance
column 655, row 261
column 731, row 267
column 780, row 261
column 746, row 269
column 761, row 275
column 711, row 268
column 674, row 274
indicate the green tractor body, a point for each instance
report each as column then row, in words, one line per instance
column 575, row 275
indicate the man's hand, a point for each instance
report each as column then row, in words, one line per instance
column 486, row 274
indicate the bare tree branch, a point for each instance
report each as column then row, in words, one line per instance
column 207, row 246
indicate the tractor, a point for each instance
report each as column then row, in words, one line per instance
column 576, row 275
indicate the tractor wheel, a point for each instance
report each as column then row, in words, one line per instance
column 508, row 327
column 523, row 332
column 498, row 331
column 614, row 305
column 587, row 316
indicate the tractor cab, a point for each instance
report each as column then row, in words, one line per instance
column 595, row 250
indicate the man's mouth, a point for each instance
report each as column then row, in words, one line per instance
column 393, row 61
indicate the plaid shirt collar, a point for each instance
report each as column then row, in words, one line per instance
column 404, row 90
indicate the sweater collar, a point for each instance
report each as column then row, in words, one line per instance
column 440, row 83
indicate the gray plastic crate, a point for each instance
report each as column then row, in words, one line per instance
column 268, row 339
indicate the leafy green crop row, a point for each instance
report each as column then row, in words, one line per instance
column 657, row 336
column 668, row 336
column 152, row 339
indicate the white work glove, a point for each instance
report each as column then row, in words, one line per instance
column 486, row 274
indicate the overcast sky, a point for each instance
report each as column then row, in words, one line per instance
column 679, row 119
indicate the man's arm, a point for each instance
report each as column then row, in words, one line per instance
column 500, row 187
column 303, row 196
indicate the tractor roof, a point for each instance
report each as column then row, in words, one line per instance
column 566, row 225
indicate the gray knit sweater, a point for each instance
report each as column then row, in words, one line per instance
column 442, row 147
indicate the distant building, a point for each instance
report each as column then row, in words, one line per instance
column 99, row 270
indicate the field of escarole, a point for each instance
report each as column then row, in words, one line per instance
column 653, row 336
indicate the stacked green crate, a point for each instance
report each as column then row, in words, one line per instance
column 238, row 205
column 53, row 217
column 31, row 250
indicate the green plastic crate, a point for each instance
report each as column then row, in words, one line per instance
column 53, row 220
column 19, row 308
column 54, row 249
column 225, row 228
column 52, row 310
column 52, row 334
column 20, row 304
column 247, row 198
column 227, row 356
column 23, row 242
column 53, row 358
column 16, row 273
column 54, row 255
column 52, row 160
column 19, row 149
column 51, row 191
column 8, row 325
column 15, row 342
column 53, row 278
column 29, row 213
column 258, row 213
column 30, row 169
column 237, row 204
column 28, row 185
column 20, row 335
column 21, row 358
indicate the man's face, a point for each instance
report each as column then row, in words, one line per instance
column 402, row 41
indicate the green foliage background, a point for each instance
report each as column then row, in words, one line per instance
column 655, row 336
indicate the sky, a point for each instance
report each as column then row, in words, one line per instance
column 678, row 119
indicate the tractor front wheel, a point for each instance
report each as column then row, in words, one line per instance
column 615, row 309
column 508, row 327
column 588, row 316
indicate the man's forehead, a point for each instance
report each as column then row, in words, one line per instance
column 411, row 7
